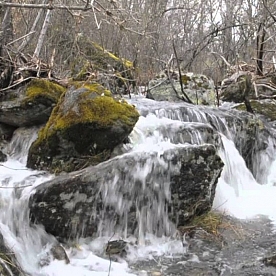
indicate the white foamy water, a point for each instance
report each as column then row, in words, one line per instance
column 237, row 193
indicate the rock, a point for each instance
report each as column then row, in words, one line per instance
column 31, row 104
column 83, row 129
column 59, row 253
column 3, row 157
column 267, row 108
column 6, row 132
column 199, row 89
column 116, row 194
column 270, row 261
column 117, row 247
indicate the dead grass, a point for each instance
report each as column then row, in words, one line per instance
column 213, row 226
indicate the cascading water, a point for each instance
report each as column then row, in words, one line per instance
column 161, row 126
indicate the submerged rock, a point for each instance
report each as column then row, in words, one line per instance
column 138, row 192
column 83, row 129
column 30, row 105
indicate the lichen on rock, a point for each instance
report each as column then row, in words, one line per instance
column 84, row 128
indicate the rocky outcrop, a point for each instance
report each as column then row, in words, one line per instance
column 199, row 88
column 83, row 129
column 136, row 191
column 30, row 105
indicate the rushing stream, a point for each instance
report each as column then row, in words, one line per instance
column 238, row 192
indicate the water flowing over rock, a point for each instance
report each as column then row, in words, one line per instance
column 253, row 135
column 31, row 104
column 83, row 129
column 139, row 191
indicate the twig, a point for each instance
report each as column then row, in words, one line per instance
column 15, row 84
column 13, row 168
column 180, row 75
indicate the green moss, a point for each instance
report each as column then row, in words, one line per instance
column 91, row 87
column 82, row 74
column 265, row 108
column 100, row 109
column 128, row 64
column 39, row 89
column 185, row 79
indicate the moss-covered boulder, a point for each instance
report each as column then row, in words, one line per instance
column 266, row 108
column 113, row 72
column 83, row 129
column 31, row 104
column 167, row 87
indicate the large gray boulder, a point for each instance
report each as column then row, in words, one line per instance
column 135, row 192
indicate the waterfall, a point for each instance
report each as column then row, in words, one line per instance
column 161, row 126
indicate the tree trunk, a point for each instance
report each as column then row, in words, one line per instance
column 42, row 34
column 6, row 36
column 29, row 37
column 260, row 48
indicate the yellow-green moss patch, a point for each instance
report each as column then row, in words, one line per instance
column 125, row 62
column 101, row 109
column 39, row 88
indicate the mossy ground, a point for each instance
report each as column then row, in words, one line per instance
column 39, row 89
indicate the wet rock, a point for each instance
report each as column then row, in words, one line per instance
column 83, row 129
column 182, row 180
column 252, row 134
column 59, row 253
column 246, row 242
column 6, row 132
column 117, row 247
column 31, row 104
column 270, row 261
column 3, row 157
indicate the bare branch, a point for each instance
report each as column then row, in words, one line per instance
column 44, row 6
